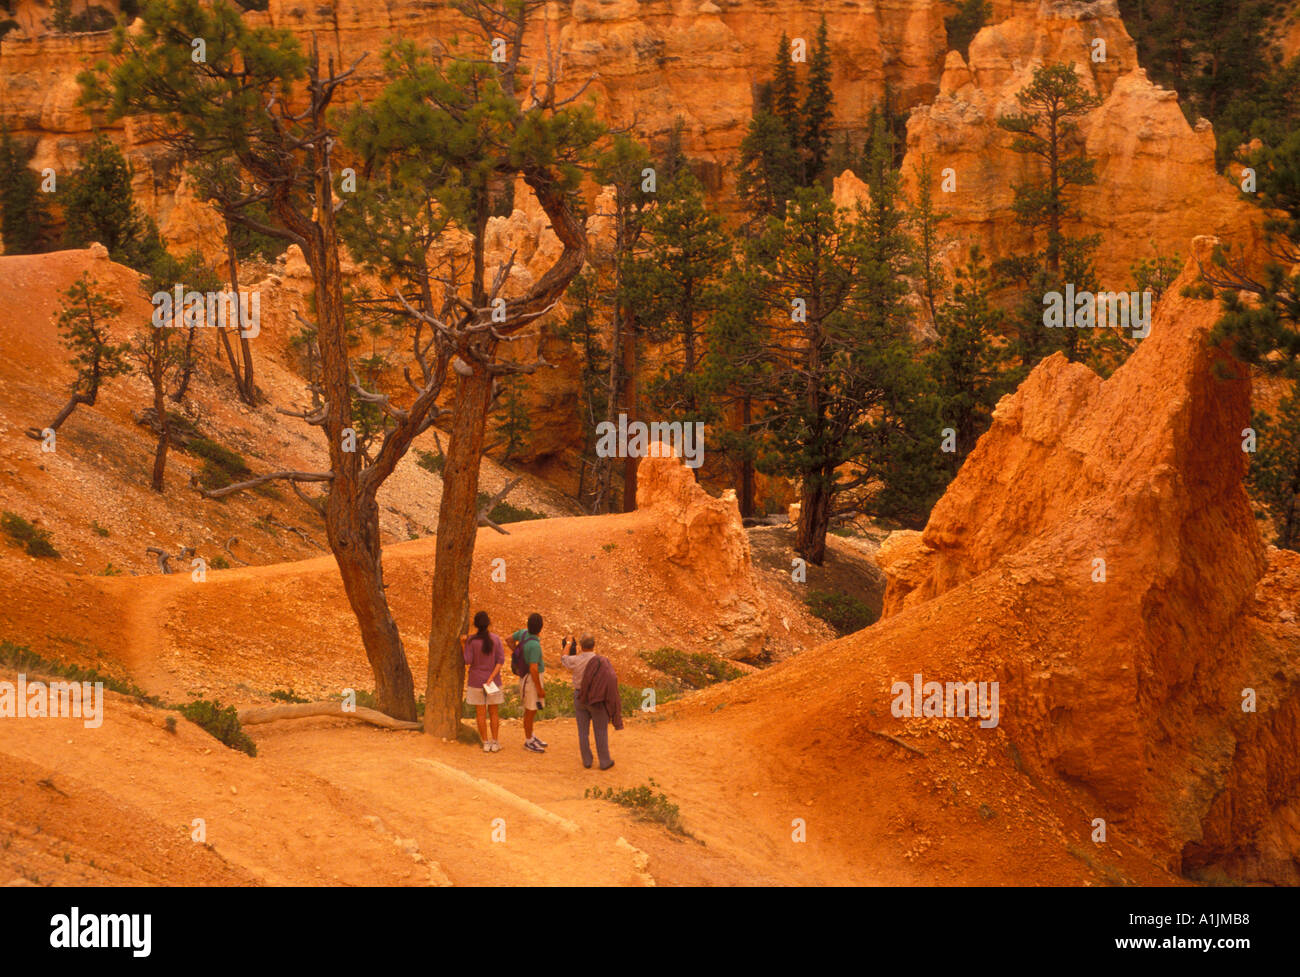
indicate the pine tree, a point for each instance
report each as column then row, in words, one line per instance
column 513, row 424
column 85, row 318
column 844, row 385
column 926, row 221
column 623, row 166
column 582, row 329
column 818, row 112
column 785, row 92
column 768, row 170
column 161, row 355
column 673, row 283
column 969, row 363
column 1274, row 474
column 736, row 373
column 1047, row 127
column 99, row 205
column 24, row 218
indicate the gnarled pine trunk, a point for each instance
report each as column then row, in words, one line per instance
column 351, row 512
column 457, row 532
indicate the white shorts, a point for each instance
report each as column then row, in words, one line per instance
column 528, row 694
column 477, row 697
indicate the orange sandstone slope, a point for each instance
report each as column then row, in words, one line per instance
column 1120, row 699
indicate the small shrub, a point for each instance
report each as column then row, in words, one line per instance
column 221, row 721
column 695, row 671
column 430, row 461
column 644, row 803
column 610, row 547
column 21, row 658
column 221, row 466
column 170, row 723
column 504, row 512
column 220, row 563
column 111, row 571
column 99, row 530
column 33, row 539
column 280, row 695
column 844, row 612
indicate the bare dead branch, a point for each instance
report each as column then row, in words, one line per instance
column 263, row 479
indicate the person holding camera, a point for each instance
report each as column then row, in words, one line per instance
column 596, row 700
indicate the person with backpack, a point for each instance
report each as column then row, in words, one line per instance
column 526, row 662
column 597, row 703
column 485, row 657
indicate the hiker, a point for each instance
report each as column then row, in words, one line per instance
column 526, row 662
column 596, row 701
column 485, row 657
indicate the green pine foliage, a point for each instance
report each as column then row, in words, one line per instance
column 24, row 217
column 1222, row 59
column 843, row 385
column 514, row 425
column 674, row 282
column 970, row 362
column 85, row 315
column 818, row 112
column 582, row 330
column 1047, row 128
column 98, row 205
column 963, row 25
column 1274, row 474
column 789, row 141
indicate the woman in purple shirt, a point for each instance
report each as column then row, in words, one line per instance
column 484, row 654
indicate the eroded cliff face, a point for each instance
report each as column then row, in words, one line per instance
column 647, row 62
column 1105, row 528
column 1156, row 185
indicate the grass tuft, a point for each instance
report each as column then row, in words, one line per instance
column 33, row 539
column 645, row 803
column 844, row 612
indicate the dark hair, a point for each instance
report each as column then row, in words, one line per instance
column 534, row 623
column 481, row 622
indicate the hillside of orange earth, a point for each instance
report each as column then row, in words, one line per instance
column 753, row 765
column 92, row 493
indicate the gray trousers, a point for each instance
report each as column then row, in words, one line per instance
column 595, row 715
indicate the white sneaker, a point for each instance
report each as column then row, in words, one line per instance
column 496, row 747
column 487, row 746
